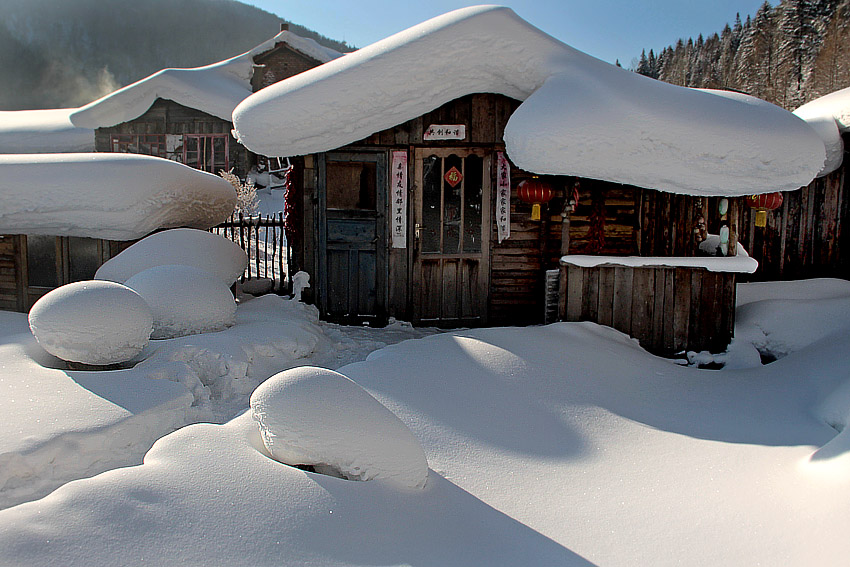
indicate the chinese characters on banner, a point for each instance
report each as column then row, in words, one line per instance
column 398, row 200
column 444, row 132
column 503, row 196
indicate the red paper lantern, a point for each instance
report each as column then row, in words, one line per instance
column 763, row 203
column 536, row 192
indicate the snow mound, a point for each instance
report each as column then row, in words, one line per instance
column 42, row 131
column 180, row 246
column 184, row 300
column 318, row 417
column 215, row 89
column 835, row 105
column 581, row 116
column 107, row 195
column 92, row 322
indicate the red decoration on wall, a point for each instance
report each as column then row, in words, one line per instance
column 766, row 201
column 536, row 192
column 453, row 177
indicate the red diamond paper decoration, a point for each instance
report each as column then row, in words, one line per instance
column 453, row 177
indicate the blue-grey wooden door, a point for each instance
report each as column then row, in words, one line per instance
column 352, row 237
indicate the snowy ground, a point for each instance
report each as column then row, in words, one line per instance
column 558, row 445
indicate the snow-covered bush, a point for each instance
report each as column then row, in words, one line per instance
column 185, row 246
column 318, row 417
column 184, row 300
column 92, row 322
column 246, row 193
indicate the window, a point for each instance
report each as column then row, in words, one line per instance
column 53, row 261
column 207, row 152
column 146, row 144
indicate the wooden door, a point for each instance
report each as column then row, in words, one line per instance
column 452, row 248
column 352, row 247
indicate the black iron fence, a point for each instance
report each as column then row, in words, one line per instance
column 262, row 237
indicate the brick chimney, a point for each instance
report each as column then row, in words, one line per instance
column 284, row 27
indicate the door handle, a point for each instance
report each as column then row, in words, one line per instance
column 417, row 230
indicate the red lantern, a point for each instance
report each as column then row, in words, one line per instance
column 536, row 192
column 763, row 203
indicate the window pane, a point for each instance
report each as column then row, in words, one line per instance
column 472, row 195
column 451, row 203
column 83, row 257
column 351, row 185
column 431, row 187
column 41, row 261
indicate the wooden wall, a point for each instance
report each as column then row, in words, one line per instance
column 669, row 310
column 11, row 273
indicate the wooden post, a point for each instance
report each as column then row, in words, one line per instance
column 565, row 227
column 733, row 226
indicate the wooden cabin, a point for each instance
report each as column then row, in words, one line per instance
column 405, row 224
column 191, row 136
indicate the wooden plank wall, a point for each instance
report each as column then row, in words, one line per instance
column 669, row 310
column 11, row 273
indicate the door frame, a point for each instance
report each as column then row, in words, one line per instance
column 415, row 274
column 379, row 158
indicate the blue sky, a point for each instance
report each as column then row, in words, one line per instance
column 607, row 29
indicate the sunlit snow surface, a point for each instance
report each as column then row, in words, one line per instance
column 580, row 116
column 558, row 445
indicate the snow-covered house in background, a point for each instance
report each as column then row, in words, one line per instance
column 185, row 114
column 63, row 215
column 413, row 153
column 42, row 132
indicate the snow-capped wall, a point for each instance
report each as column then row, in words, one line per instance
column 215, row 89
column 111, row 196
column 581, row 116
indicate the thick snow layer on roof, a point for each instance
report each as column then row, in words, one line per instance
column 42, row 132
column 581, row 116
column 111, row 196
column 215, row 89
column 830, row 116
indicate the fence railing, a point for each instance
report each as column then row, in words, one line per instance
column 263, row 239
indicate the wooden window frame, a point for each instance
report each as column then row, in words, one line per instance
column 202, row 141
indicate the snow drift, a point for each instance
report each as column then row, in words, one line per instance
column 312, row 416
column 184, row 300
column 581, row 116
column 92, row 322
column 829, row 115
column 180, row 246
column 104, row 195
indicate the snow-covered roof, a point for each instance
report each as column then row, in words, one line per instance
column 581, row 116
column 107, row 195
column 215, row 89
column 42, row 131
column 829, row 115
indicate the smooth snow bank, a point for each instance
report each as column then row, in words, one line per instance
column 215, row 89
column 581, row 116
column 779, row 318
column 199, row 249
column 106, row 195
column 42, row 131
column 92, row 322
column 184, row 300
column 61, row 425
column 318, row 417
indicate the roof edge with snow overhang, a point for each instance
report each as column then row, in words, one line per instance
column 580, row 116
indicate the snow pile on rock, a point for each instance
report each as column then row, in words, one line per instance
column 581, row 116
column 180, row 246
column 107, row 195
column 92, row 322
column 312, row 416
column 184, row 300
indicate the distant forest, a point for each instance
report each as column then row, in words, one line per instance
column 65, row 53
column 788, row 54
